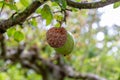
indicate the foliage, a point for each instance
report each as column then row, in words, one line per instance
column 117, row 4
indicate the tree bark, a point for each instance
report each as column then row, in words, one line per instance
column 51, row 76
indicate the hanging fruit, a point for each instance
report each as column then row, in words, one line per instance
column 61, row 40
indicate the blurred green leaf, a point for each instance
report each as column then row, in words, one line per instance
column 11, row 31
column 1, row 2
column 4, row 76
column 18, row 36
column 116, row 5
column 38, row 10
column 33, row 22
column 12, row 6
column 47, row 14
column 58, row 17
column 57, row 24
column 62, row 3
column 24, row 2
column 54, row 4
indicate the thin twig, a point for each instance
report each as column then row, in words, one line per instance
column 33, row 17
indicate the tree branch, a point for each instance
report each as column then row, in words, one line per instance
column 32, row 60
column 71, row 73
column 19, row 18
column 86, row 76
column 90, row 5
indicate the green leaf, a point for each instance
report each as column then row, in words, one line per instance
column 33, row 22
column 24, row 2
column 12, row 6
column 116, row 5
column 54, row 4
column 38, row 10
column 58, row 17
column 57, row 25
column 62, row 3
column 11, row 31
column 1, row 3
column 18, row 36
column 47, row 14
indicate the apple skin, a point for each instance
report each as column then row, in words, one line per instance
column 68, row 46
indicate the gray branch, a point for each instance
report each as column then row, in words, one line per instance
column 90, row 5
column 32, row 60
column 20, row 17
